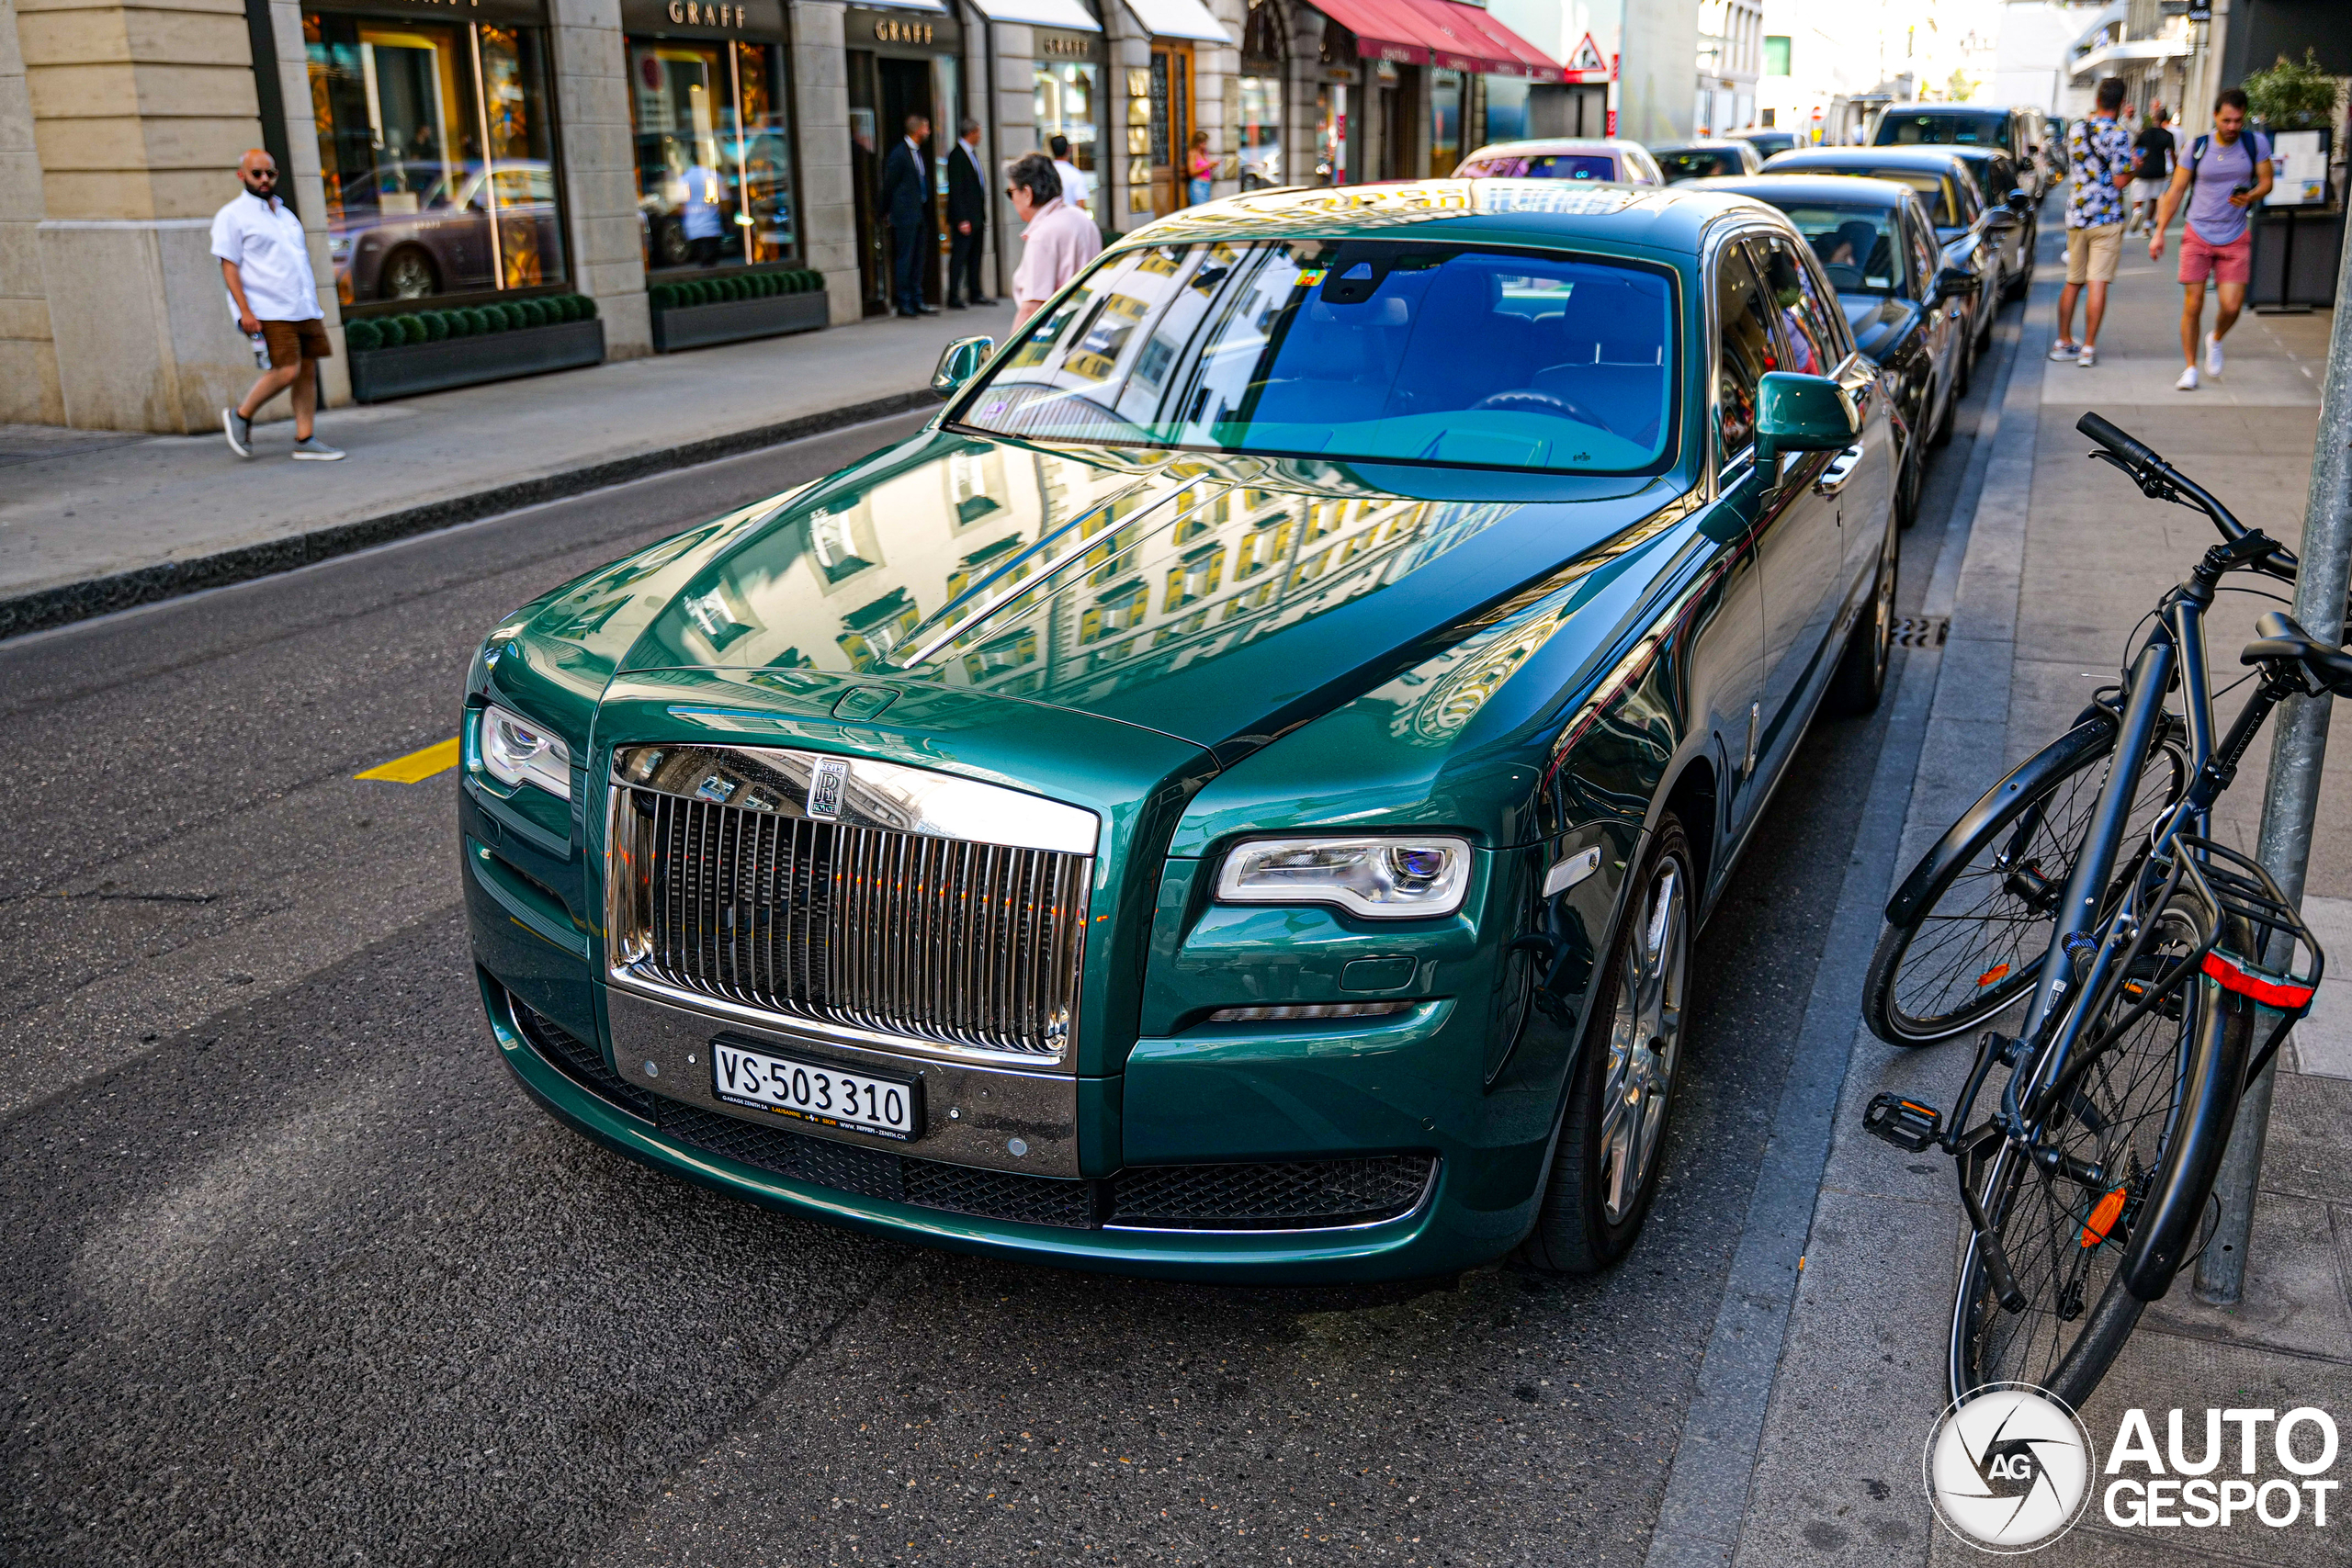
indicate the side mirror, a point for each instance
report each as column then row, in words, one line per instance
column 2020, row 202
column 958, row 363
column 1800, row 413
column 1954, row 283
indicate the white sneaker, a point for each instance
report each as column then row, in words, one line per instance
column 2088, row 357
column 314, row 450
column 2212, row 354
column 240, row 431
column 2188, row 382
column 2064, row 350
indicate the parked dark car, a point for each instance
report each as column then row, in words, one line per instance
column 428, row 230
column 1963, row 228
column 1874, row 243
column 1767, row 140
column 2007, row 192
column 1231, row 797
column 1706, row 159
column 2017, row 132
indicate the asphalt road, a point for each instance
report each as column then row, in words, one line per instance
column 295, row 1275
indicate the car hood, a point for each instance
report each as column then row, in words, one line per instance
column 1220, row 599
column 1878, row 322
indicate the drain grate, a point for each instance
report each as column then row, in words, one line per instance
column 1921, row 631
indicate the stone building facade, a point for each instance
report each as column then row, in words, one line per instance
column 641, row 153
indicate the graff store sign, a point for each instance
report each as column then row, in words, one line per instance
column 690, row 12
column 890, row 29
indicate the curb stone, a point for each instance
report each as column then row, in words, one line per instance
column 64, row 603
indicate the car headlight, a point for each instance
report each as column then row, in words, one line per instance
column 1381, row 878
column 516, row 753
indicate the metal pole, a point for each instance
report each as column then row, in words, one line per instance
column 2291, row 794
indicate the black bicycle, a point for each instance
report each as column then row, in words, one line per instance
column 2087, row 1185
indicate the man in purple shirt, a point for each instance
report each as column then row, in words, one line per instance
column 2222, row 177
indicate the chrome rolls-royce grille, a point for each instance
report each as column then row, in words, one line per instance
column 860, row 913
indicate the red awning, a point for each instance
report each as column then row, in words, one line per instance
column 1443, row 33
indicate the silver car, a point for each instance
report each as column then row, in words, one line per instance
column 1608, row 159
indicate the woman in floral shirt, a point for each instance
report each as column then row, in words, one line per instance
column 2101, row 161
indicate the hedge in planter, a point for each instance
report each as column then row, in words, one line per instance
column 371, row 332
column 685, row 295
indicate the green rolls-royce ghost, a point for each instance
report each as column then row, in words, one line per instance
column 1232, row 796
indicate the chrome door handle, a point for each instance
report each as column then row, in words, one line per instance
column 1833, row 477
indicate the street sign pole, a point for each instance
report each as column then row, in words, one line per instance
column 2291, row 794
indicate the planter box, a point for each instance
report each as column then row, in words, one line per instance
column 732, row 320
column 380, row 374
column 2295, row 255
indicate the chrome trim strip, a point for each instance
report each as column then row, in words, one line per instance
column 720, row 1009
column 1421, row 1206
column 883, row 795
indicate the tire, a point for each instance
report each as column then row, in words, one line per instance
column 2078, row 1311
column 1620, row 1099
column 409, row 273
column 1973, row 935
column 1860, row 678
column 1941, row 434
column 1966, row 378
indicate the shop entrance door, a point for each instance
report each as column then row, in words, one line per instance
column 1397, row 125
column 883, row 91
column 1172, row 122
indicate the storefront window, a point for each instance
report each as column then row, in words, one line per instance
column 1064, row 107
column 405, row 109
column 1506, row 109
column 1331, row 133
column 713, row 154
column 1445, row 122
column 1262, row 131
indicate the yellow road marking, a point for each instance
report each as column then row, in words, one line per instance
column 417, row 766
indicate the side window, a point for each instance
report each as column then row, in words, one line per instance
column 1746, row 352
column 1807, row 318
column 1923, row 256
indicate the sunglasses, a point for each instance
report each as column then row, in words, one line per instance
column 263, row 175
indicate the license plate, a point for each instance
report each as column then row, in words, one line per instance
column 816, row 1092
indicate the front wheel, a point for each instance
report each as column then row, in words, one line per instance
column 1606, row 1160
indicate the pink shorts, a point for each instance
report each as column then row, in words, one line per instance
column 2232, row 262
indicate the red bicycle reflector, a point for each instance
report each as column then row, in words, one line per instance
column 1998, row 972
column 2284, row 994
column 2104, row 1214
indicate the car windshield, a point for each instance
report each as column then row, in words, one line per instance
column 1698, row 162
column 1943, row 130
column 1856, row 244
column 1388, row 351
column 1542, row 167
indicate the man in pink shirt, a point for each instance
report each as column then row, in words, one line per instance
column 1058, row 242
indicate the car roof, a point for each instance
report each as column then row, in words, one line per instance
column 1944, row 108
column 1702, row 143
column 1851, row 192
column 1557, row 144
column 1847, row 157
column 1656, row 219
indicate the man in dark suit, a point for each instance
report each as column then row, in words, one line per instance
column 906, row 198
column 968, row 218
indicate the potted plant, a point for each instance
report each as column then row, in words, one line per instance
column 696, row 312
column 431, row 351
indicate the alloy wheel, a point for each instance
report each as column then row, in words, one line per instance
column 1645, row 1043
column 408, row 276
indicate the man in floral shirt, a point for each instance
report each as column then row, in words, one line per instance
column 2101, row 161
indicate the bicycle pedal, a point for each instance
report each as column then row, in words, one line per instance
column 1905, row 1123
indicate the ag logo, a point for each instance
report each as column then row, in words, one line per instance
column 2010, row 1470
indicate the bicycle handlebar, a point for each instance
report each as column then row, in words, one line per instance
column 2159, row 479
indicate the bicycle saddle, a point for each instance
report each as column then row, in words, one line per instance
column 2281, row 640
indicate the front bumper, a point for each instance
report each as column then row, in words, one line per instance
column 1433, row 1237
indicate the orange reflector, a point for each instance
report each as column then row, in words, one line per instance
column 1998, row 970
column 2103, row 1215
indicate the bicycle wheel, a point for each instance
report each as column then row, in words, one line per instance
column 1975, row 912
column 2066, row 1237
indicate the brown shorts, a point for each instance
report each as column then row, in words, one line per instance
column 293, row 342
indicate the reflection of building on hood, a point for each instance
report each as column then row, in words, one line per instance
column 702, row 203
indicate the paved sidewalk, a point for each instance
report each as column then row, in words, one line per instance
column 2062, row 559
column 92, row 522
